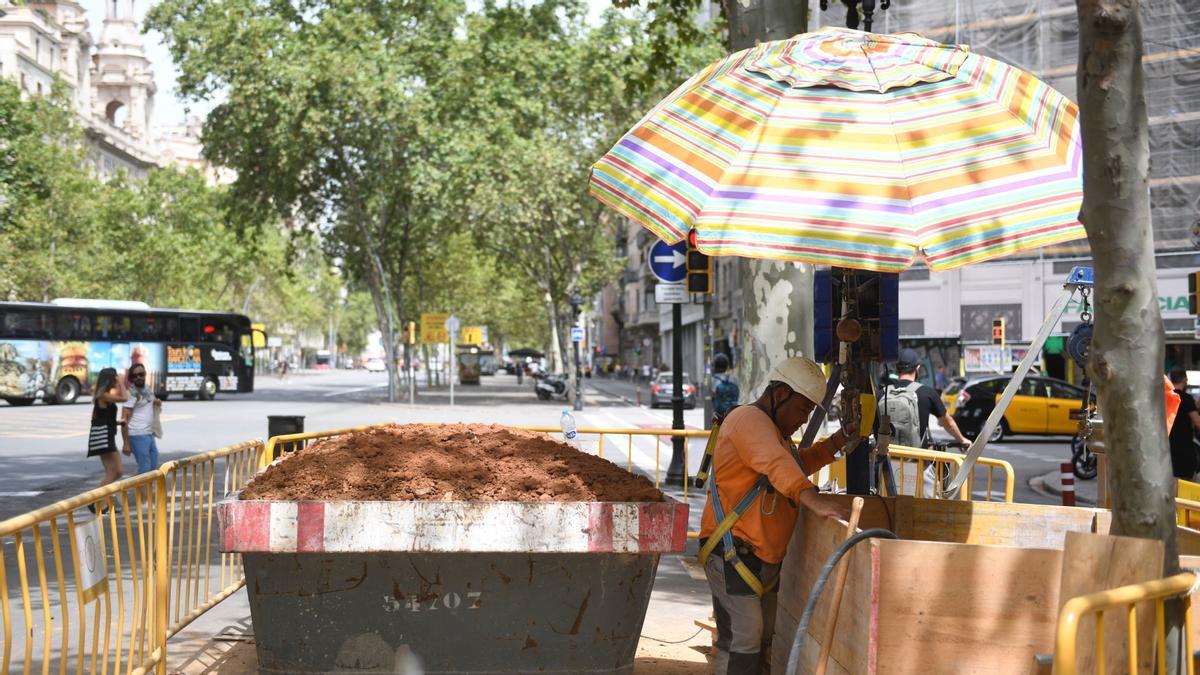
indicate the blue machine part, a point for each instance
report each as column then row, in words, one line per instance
column 1081, row 276
column 889, row 317
column 823, row 339
column 880, row 307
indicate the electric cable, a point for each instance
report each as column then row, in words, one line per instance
column 819, row 585
column 676, row 642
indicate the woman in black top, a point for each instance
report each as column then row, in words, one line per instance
column 102, row 441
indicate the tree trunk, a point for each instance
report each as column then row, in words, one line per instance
column 1127, row 350
column 776, row 297
column 777, row 323
column 556, row 356
column 1127, row 347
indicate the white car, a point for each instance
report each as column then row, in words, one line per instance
column 376, row 366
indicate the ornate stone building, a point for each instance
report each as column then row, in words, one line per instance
column 109, row 81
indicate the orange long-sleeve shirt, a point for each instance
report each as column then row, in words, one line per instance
column 749, row 445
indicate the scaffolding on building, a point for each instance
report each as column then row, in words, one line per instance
column 1042, row 37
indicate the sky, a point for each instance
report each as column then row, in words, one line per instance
column 168, row 110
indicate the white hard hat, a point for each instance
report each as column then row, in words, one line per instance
column 803, row 375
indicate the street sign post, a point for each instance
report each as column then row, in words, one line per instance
column 671, row 294
column 576, row 334
column 668, row 262
column 452, row 326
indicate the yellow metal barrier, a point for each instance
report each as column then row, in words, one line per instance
column 1187, row 492
column 102, row 582
column 193, row 486
column 949, row 461
column 1126, row 597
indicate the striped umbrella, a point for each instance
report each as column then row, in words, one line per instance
column 840, row 147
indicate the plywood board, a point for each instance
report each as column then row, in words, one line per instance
column 813, row 541
column 958, row 609
column 1100, row 562
column 997, row 523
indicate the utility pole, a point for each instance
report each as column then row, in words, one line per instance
column 777, row 300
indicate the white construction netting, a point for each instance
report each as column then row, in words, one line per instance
column 1042, row 37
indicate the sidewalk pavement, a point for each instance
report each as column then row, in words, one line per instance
column 1050, row 484
column 221, row 641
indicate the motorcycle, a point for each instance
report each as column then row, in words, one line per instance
column 550, row 385
column 1083, row 460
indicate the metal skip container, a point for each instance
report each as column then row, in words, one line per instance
column 439, row 587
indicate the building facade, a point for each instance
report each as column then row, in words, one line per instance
column 108, row 79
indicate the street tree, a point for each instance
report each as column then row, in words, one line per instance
column 555, row 93
column 323, row 117
column 1128, row 344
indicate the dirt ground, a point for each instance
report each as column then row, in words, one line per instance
column 447, row 462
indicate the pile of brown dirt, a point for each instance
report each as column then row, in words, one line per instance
column 447, row 462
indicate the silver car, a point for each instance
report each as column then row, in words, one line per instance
column 663, row 387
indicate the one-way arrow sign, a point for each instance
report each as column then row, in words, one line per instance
column 667, row 261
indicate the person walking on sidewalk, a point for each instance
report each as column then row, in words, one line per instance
column 754, row 459
column 725, row 390
column 137, row 432
column 102, row 439
column 1184, row 460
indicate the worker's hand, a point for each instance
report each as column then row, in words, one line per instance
column 850, row 428
column 824, row 506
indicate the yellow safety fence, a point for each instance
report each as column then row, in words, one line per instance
column 1124, row 599
column 103, row 588
column 945, row 466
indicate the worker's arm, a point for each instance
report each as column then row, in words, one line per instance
column 821, row 453
column 950, row 425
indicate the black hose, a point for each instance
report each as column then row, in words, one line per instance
column 819, row 585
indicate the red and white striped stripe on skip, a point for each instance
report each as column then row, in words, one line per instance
column 542, row 527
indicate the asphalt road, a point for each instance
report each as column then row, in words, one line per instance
column 43, row 457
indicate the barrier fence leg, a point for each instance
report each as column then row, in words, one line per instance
column 162, row 562
column 1068, row 484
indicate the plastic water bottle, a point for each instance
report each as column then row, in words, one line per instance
column 567, row 422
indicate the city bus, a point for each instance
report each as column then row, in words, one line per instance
column 54, row 351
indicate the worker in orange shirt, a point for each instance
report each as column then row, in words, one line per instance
column 757, row 473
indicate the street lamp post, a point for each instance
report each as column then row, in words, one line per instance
column 576, row 305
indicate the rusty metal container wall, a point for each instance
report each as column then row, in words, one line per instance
column 449, row 587
column 448, row 612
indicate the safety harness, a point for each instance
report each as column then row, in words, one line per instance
column 724, row 530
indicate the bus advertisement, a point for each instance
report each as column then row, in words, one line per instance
column 55, row 351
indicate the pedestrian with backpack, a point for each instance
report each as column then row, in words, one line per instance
column 908, row 404
column 725, row 388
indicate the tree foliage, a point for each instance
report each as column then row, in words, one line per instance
column 420, row 139
column 163, row 240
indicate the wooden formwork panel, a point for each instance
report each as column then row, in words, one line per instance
column 972, row 587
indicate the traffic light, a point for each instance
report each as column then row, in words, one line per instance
column 1193, row 293
column 998, row 331
column 410, row 333
column 699, row 268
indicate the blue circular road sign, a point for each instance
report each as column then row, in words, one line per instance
column 668, row 262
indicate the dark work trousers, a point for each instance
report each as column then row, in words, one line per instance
column 745, row 622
